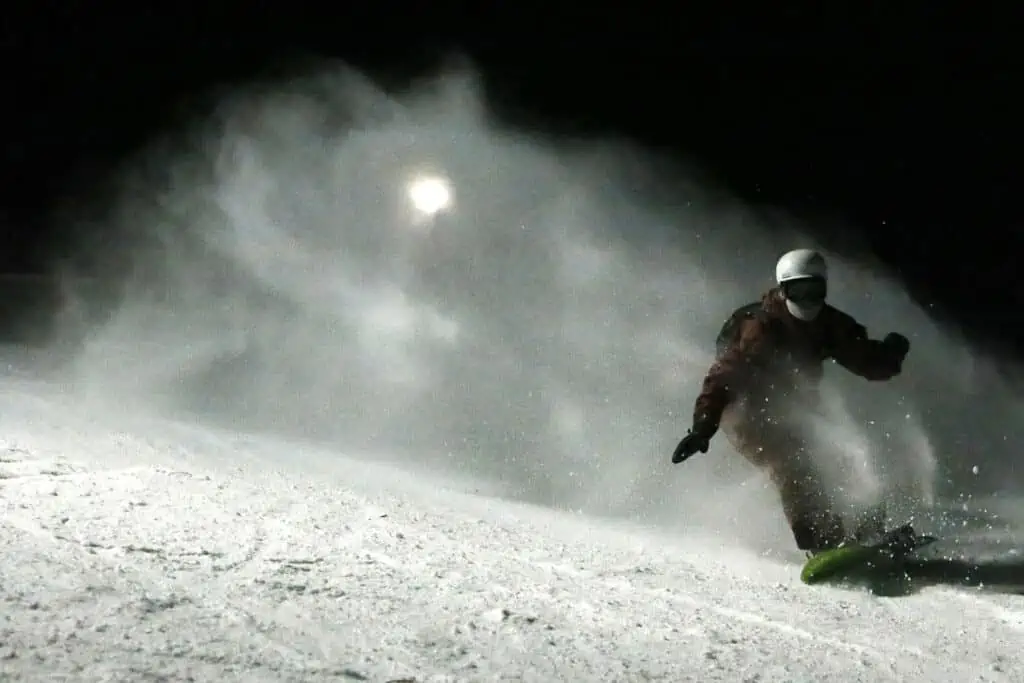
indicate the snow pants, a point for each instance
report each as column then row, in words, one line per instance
column 777, row 448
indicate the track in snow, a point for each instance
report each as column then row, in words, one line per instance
column 159, row 552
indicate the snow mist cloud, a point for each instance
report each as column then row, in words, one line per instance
column 408, row 280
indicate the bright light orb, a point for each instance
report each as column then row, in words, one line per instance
column 430, row 195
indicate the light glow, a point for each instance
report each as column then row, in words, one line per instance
column 430, row 195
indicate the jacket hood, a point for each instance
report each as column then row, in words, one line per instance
column 773, row 302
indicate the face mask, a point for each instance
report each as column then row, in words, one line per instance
column 804, row 311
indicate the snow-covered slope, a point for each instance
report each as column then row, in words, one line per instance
column 150, row 551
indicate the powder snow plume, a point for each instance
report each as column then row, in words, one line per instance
column 402, row 276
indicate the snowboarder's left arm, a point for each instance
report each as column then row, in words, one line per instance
column 872, row 359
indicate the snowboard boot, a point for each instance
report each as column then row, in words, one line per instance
column 869, row 530
column 870, row 526
column 816, row 535
column 900, row 540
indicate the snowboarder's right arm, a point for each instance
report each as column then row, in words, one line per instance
column 728, row 374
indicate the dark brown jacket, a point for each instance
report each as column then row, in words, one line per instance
column 777, row 355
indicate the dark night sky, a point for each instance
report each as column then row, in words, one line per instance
column 904, row 123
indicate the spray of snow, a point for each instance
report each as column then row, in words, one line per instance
column 400, row 276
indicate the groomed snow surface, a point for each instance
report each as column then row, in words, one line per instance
column 151, row 551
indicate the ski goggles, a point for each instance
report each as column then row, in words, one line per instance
column 805, row 290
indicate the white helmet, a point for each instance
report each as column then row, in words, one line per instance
column 802, row 275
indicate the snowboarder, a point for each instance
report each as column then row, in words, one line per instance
column 770, row 361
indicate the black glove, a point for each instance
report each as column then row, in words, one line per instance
column 898, row 345
column 691, row 443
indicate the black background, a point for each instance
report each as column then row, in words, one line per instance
column 899, row 118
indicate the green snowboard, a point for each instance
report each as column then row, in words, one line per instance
column 856, row 561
